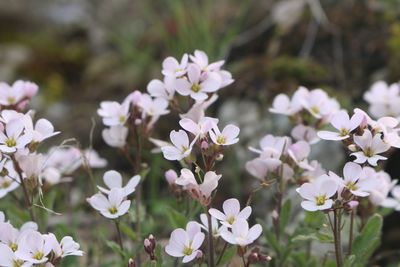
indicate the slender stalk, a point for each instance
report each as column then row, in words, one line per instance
column 244, row 261
column 121, row 245
column 351, row 232
column 210, row 239
column 336, row 235
column 222, row 253
column 28, row 202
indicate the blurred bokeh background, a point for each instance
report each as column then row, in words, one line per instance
column 83, row 52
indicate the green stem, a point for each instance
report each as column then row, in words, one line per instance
column 121, row 245
column 210, row 239
column 222, row 253
column 336, row 234
column 351, row 232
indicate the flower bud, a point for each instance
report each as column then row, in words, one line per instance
column 219, row 157
column 171, row 176
column 199, row 254
column 352, row 205
column 131, row 263
column 197, row 170
column 352, row 147
column 204, row 145
column 150, row 246
column 138, row 121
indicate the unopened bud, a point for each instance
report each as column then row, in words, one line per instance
column 171, row 176
column 138, row 121
column 352, row 205
column 197, row 170
column 131, row 263
column 352, row 147
column 199, row 254
column 149, row 246
column 204, row 145
column 219, row 157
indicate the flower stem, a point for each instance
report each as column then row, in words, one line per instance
column 28, row 202
column 121, row 245
column 222, row 253
column 351, row 232
column 210, row 239
column 336, row 235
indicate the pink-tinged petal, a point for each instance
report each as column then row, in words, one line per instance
column 389, row 203
column 228, row 237
column 156, row 88
column 254, row 232
column 23, row 140
column 131, row 185
column 193, row 72
column 190, row 257
column 359, row 193
column 364, row 140
column 189, row 126
column 396, row 192
column 169, row 65
column 183, row 87
column 192, row 228
column 231, row 207
column 112, row 179
column 373, row 161
column 356, row 120
column 178, row 239
column 378, row 146
column 257, row 167
column 180, row 139
column 14, row 128
column 217, row 214
column 230, row 131
column 108, row 214
column 341, row 120
column 211, row 84
column 171, row 153
column 124, row 207
column 240, row 228
column 7, row 255
column 245, row 213
column 309, row 205
column 197, row 240
column 199, row 96
column 281, row 104
column 186, row 178
column 333, row 136
column 389, row 122
column 351, row 172
column 307, row 191
column 7, row 149
column 99, row 202
column 360, row 157
column 44, row 127
column 327, row 205
column 116, row 196
column 328, row 187
column 3, row 137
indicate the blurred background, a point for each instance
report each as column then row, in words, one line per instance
column 83, row 52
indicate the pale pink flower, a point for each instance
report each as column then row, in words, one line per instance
column 11, row 95
column 114, row 113
column 115, row 136
column 305, row 133
column 14, row 137
column 162, row 89
column 394, row 201
column 383, row 99
column 34, row 248
column 200, row 58
column 282, row 105
column 232, row 212
column 171, row 66
column 319, row 104
column 194, row 86
column 344, row 124
column 216, row 228
column 113, row 179
column 153, row 107
column 227, row 137
column 379, row 193
column 299, row 152
column 185, row 243
column 180, row 148
column 8, row 178
column 66, row 247
column 42, row 130
column 112, row 207
column 241, row 235
column 171, row 176
column 200, row 128
column 371, row 147
column 318, row 193
column 197, row 111
column 9, row 259
column 93, row 158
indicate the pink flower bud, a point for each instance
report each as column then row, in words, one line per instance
column 219, row 157
column 204, row 145
column 138, row 121
column 199, row 254
column 353, row 204
column 171, row 176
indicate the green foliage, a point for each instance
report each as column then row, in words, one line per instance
column 228, row 255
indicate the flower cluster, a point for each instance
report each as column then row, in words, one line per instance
column 18, row 95
column 280, row 157
column 27, row 247
column 111, row 202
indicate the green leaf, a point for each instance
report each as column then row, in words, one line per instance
column 285, row 215
column 127, row 230
column 314, row 219
column 349, row 261
column 368, row 240
column 324, row 238
column 228, row 255
column 177, row 219
column 114, row 247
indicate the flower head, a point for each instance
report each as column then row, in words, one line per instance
column 240, row 233
column 227, row 137
column 113, row 179
column 232, row 212
column 371, row 147
column 112, row 207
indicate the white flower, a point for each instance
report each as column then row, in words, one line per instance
column 14, row 137
column 383, row 99
column 112, row 207
column 185, row 244
column 299, row 152
column 171, row 66
column 305, row 133
column 93, row 158
column 9, row 259
column 282, row 105
column 232, row 212
column 180, row 147
column 114, row 113
column 164, row 90
column 371, row 146
column 200, row 128
column 66, row 247
column 43, row 129
column 34, row 248
column 241, row 235
column 378, row 194
column 394, row 201
column 319, row 104
column 10, row 95
column 353, row 180
column 342, row 122
column 216, row 229
column 201, row 59
column 227, row 137
column 113, row 179
column 2, row 217
column 318, row 193
column 153, row 107
column 197, row 111
column 8, row 178
column 195, row 86
column 31, row 165
column 115, row 136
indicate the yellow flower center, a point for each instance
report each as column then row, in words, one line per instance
column 320, row 200
column 13, row 247
column 5, row 184
column 11, row 100
column 122, row 119
column 195, row 87
column 315, row 110
column 344, row 132
column 187, row 251
column 230, row 220
column 17, row 263
column 368, row 152
column 221, row 139
column 113, row 210
column 351, row 186
column 38, row 255
column 11, row 142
